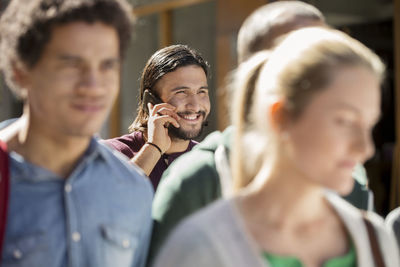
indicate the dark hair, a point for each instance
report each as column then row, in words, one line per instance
column 261, row 29
column 26, row 26
column 165, row 60
column 266, row 26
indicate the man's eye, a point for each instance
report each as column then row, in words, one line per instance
column 203, row 91
column 108, row 65
column 70, row 64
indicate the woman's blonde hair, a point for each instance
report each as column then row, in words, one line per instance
column 304, row 63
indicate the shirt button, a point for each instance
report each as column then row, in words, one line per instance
column 68, row 188
column 17, row 254
column 126, row 243
column 76, row 236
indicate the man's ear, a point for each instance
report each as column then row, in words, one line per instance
column 278, row 115
column 21, row 77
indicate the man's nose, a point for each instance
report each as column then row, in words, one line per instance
column 193, row 102
column 90, row 81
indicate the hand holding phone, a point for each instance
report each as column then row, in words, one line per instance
column 162, row 117
column 149, row 97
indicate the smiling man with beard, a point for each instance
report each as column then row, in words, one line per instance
column 174, row 105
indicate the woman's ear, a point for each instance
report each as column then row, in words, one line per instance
column 278, row 115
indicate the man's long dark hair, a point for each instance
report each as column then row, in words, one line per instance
column 160, row 63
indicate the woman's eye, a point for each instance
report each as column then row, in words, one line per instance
column 345, row 122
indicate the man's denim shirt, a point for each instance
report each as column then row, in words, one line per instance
column 99, row 216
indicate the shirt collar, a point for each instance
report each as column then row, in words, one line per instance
column 173, row 156
column 22, row 169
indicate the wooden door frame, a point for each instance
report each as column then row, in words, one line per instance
column 230, row 16
column 395, row 181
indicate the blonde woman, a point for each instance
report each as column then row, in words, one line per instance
column 316, row 100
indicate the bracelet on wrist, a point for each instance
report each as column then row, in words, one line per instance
column 154, row 145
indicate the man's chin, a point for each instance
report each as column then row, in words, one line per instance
column 182, row 134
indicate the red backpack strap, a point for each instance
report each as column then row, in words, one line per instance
column 4, row 191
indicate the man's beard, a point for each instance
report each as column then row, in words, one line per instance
column 179, row 133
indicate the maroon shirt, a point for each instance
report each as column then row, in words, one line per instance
column 130, row 144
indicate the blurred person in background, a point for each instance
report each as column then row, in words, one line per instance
column 203, row 175
column 73, row 201
column 316, row 99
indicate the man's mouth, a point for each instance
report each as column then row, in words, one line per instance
column 192, row 117
column 89, row 107
column 191, row 125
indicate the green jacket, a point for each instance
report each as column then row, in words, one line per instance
column 192, row 182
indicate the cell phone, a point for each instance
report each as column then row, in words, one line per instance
column 149, row 97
